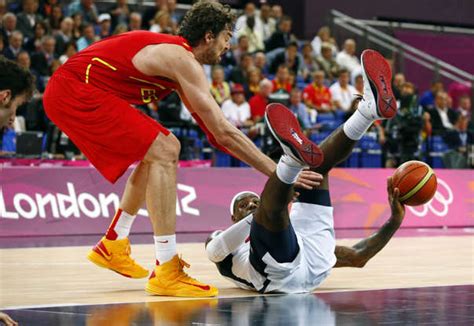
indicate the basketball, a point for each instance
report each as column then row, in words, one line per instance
column 416, row 181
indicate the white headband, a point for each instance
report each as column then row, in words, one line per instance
column 235, row 198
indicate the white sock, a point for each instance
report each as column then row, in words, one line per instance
column 165, row 248
column 356, row 126
column 288, row 169
column 120, row 226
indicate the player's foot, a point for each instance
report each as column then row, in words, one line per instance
column 286, row 129
column 115, row 255
column 377, row 75
column 170, row 279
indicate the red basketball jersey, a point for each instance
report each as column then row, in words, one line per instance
column 108, row 65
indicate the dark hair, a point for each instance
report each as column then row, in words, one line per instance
column 204, row 17
column 342, row 71
column 14, row 78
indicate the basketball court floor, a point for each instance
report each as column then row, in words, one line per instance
column 421, row 277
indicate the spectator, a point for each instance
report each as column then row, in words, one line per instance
column 3, row 8
column 86, row 8
column 427, row 99
column 8, row 27
column 242, row 48
column 327, row 63
column 323, row 36
column 317, row 96
column 442, row 117
column 260, row 61
column 268, row 22
column 277, row 13
column 88, row 37
column 77, row 29
column 347, row 59
column 289, row 58
column 105, row 25
column 23, row 59
column 135, row 21
column 254, row 36
column 15, row 45
column 46, row 7
column 299, row 109
column 55, row 19
column 175, row 15
column 309, row 64
column 252, row 86
column 150, row 13
column 64, row 36
column 162, row 23
column 71, row 49
column 281, row 80
column 281, row 37
column 28, row 18
column 236, row 109
column 397, row 84
column 119, row 29
column 258, row 103
column 220, row 89
column 359, row 84
column 342, row 92
column 458, row 140
column 464, row 107
column 34, row 43
column 41, row 60
column 120, row 13
column 239, row 73
column 250, row 11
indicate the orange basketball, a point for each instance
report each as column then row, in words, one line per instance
column 416, row 181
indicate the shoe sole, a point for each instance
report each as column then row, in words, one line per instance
column 101, row 262
column 155, row 290
column 377, row 71
column 287, row 131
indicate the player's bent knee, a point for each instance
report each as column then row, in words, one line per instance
column 163, row 149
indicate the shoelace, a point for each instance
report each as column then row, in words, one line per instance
column 183, row 264
column 125, row 256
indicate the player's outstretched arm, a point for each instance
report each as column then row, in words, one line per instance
column 364, row 250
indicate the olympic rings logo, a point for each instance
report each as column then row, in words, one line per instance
column 439, row 205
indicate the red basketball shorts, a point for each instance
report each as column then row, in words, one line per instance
column 108, row 130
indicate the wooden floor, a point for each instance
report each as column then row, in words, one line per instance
column 60, row 276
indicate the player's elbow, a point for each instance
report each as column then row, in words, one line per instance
column 213, row 248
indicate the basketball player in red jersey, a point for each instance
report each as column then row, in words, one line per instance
column 90, row 97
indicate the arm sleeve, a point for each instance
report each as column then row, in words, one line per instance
column 229, row 240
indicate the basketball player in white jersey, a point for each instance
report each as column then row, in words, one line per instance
column 268, row 249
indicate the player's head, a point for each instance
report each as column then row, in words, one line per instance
column 208, row 26
column 16, row 86
column 243, row 204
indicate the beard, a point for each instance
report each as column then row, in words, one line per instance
column 212, row 57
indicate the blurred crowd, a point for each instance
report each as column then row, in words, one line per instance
column 319, row 79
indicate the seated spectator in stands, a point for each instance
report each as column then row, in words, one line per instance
column 342, row 92
column 150, row 13
column 250, row 11
column 14, row 45
column 3, row 8
column 86, row 8
column 323, row 36
column 135, row 21
column 103, row 29
column 55, row 19
column 427, row 99
column 317, row 96
column 282, row 36
column 347, row 59
column 239, row 73
column 464, row 107
column 34, row 43
column 281, row 80
column 71, row 49
column 309, row 65
column 46, row 7
column 28, row 18
column 260, row 61
column 458, row 140
column 254, row 36
column 442, row 117
column 119, row 29
column 299, row 109
column 289, row 58
column 120, row 13
column 220, row 89
column 77, row 29
column 359, row 84
column 175, row 15
column 327, row 63
column 7, row 27
column 276, row 13
column 88, row 37
column 23, row 59
column 398, row 81
column 64, row 35
column 41, row 60
column 268, row 22
column 252, row 86
column 242, row 48
column 236, row 109
column 258, row 102
column 162, row 23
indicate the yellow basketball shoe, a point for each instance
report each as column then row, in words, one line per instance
column 115, row 255
column 170, row 279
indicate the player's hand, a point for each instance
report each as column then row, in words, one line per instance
column 398, row 209
column 7, row 320
column 308, row 180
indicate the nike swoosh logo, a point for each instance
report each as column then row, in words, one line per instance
column 202, row 287
column 101, row 250
column 166, row 241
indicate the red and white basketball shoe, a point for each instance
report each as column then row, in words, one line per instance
column 286, row 129
column 378, row 94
